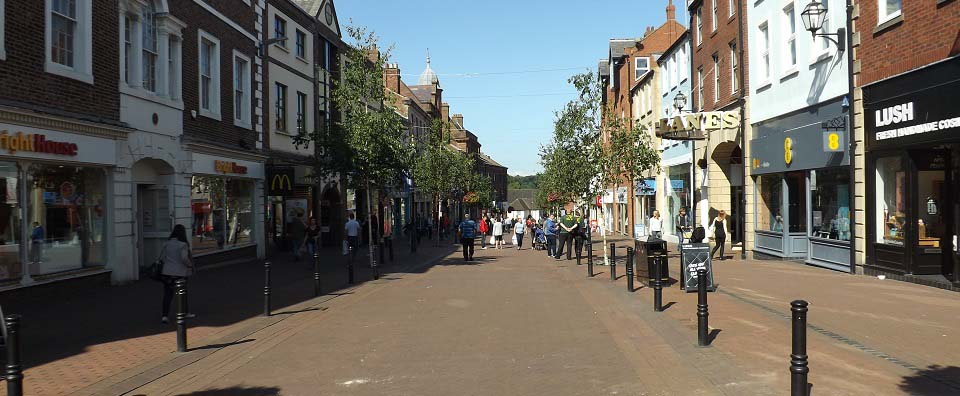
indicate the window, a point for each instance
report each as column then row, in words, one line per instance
column 222, row 213
column 716, row 78
column 889, row 9
column 790, row 37
column 891, row 196
column 641, row 67
column 700, row 88
column 682, row 64
column 173, row 68
column 732, row 6
column 713, row 17
column 127, row 47
column 68, row 39
column 301, row 44
column 241, row 90
column 149, row 46
column 830, row 203
column 673, row 71
column 301, row 113
column 280, row 29
column 734, row 82
column 280, row 107
column 770, row 205
column 824, row 42
column 764, row 52
column 209, row 68
column 699, row 26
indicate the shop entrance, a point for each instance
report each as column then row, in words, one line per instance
column 933, row 235
column 154, row 208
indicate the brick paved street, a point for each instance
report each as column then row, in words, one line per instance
column 517, row 323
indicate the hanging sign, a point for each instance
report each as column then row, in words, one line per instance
column 695, row 126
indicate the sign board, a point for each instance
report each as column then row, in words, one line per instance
column 281, row 181
column 696, row 126
column 693, row 257
column 295, row 207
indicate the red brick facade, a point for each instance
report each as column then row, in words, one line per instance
column 926, row 32
column 717, row 42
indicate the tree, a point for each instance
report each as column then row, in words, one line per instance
column 629, row 155
column 439, row 168
column 368, row 144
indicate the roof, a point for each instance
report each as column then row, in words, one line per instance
column 428, row 77
column 685, row 36
column 618, row 47
column 311, row 6
column 489, row 161
column 422, row 92
column 522, row 204
column 603, row 66
column 526, row 193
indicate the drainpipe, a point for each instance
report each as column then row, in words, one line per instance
column 851, row 143
column 743, row 131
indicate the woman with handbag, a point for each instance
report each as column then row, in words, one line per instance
column 176, row 263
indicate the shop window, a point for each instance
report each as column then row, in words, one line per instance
column 65, row 214
column 830, row 200
column 678, row 180
column 770, row 204
column 891, row 196
column 10, row 234
column 222, row 213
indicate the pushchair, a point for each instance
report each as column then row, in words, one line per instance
column 539, row 239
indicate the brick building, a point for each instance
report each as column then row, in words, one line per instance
column 908, row 148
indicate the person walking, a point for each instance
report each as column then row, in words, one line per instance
column 656, row 225
column 581, row 232
column 683, row 224
column 313, row 234
column 298, row 233
column 550, row 231
column 568, row 225
column 532, row 225
column 177, row 264
column 484, row 227
column 498, row 233
column 519, row 230
column 468, row 232
column 719, row 229
column 352, row 230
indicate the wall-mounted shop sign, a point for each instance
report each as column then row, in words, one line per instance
column 809, row 139
column 281, row 180
column 228, row 167
column 646, row 187
column 37, row 143
column 695, row 126
column 916, row 107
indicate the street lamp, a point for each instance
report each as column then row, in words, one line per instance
column 813, row 16
column 263, row 44
column 680, row 101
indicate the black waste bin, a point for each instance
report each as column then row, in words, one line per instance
column 655, row 250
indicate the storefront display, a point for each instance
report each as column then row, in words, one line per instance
column 222, row 213
column 830, row 206
column 678, row 196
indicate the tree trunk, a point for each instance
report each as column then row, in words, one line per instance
column 370, row 225
column 606, row 257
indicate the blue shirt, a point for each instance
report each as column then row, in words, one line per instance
column 468, row 229
column 550, row 227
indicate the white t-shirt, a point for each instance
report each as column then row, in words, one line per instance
column 656, row 224
column 352, row 228
column 520, row 227
column 497, row 228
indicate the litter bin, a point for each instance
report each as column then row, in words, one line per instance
column 656, row 252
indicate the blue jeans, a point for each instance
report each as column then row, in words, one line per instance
column 311, row 247
column 551, row 245
column 296, row 242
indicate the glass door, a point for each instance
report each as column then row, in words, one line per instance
column 933, row 239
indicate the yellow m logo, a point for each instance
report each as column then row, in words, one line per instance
column 278, row 181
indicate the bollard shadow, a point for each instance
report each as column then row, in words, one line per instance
column 668, row 305
column 597, row 273
column 300, row 311
column 713, row 335
column 934, row 380
column 236, row 391
column 224, row 345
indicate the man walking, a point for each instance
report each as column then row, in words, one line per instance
column 352, row 229
column 550, row 231
column 468, row 231
column 568, row 226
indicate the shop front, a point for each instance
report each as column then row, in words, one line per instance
column 802, row 186
column 676, row 166
column 226, row 198
column 55, row 217
column 645, row 202
column 912, row 128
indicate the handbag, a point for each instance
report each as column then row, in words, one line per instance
column 155, row 271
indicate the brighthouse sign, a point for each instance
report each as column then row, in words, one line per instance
column 37, row 143
column 229, row 167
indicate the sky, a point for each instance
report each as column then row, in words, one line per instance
column 504, row 65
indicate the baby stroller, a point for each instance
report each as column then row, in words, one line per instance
column 539, row 239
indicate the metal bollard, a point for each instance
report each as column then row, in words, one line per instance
column 380, row 250
column 390, row 246
column 657, row 284
column 181, row 291
column 578, row 241
column 14, row 369
column 589, row 258
column 613, row 261
column 702, row 311
column 798, row 356
column 375, row 266
column 630, row 257
column 350, row 266
column 316, row 274
column 266, row 288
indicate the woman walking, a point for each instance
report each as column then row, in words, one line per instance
column 519, row 230
column 498, row 233
column 656, row 225
column 484, row 231
column 313, row 233
column 177, row 264
column 719, row 228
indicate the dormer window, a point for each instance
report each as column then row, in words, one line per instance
column 641, row 67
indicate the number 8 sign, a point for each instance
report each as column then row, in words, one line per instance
column 833, row 142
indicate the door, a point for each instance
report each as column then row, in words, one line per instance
column 932, row 237
column 736, row 200
column 154, row 222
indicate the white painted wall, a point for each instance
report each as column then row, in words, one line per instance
column 283, row 141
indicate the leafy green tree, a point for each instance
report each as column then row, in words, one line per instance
column 439, row 168
column 629, row 155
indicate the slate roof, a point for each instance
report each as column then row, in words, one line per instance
column 490, row 161
column 618, row 47
column 422, row 92
column 525, row 193
column 522, row 204
column 311, row 6
column 603, row 66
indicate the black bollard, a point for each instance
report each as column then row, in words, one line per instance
column 798, row 357
column 630, row 257
column 578, row 245
column 702, row 312
column 613, row 261
column 181, row 291
column 375, row 266
column 266, row 288
column 350, row 265
column 380, row 250
column 14, row 373
column 657, row 284
column 390, row 247
column 316, row 275
column 589, row 258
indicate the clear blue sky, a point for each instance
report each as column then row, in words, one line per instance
column 511, row 113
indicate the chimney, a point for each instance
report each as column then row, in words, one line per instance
column 445, row 111
column 391, row 77
column 458, row 119
column 373, row 53
column 672, row 11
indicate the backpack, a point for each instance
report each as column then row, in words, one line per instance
column 699, row 234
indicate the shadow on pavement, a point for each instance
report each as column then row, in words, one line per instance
column 668, row 305
column 218, row 346
column 935, row 380
column 235, row 391
column 713, row 335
